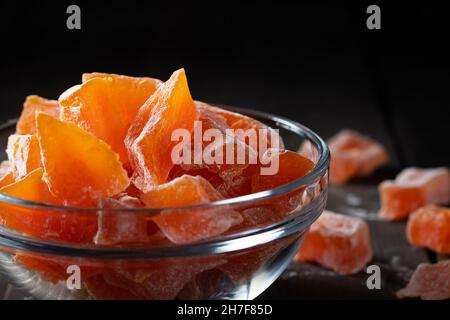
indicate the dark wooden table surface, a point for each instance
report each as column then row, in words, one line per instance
column 315, row 63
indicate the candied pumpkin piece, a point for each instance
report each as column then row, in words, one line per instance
column 27, row 121
column 119, row 227
column 412, row 189
column 78, row 166
column 429, row 227
column 189, row 225
column 146, row 81
column 6, row 174
column 229, row 158
column 354, row 154
column 149, row 139
column 283, row 167
column 338, row 242
column 72, row 227
column 24, row 154
column 429, row 282
column 31, row 187
column 106, row 105
column 239, row 121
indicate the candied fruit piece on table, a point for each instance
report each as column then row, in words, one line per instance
column 27, row 122
column 429, row 227
column 354, row 154
column 429, row 282
column 24, row 154
column 189, row 225
column 412, row 189
column 149, row 138
column 105, row 105
column 78, row 166
column 338, row 242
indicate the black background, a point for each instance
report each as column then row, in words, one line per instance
column 314, row 62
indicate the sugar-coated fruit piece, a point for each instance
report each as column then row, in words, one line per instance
column 283, row 167
column 106, row 105
column 412, row 189
column 429, row 227
column 27, row 121
column 209, row 118
column 429, row 282
column 6, row 174
column 354, row 154
column 5, row 167
column 144, row 81
column 338, row 242
column 73, row 227
column 78, row 166
column 291, row 166
column 189, row 225
column 24, row 154
column 149, row 138
column 120, row 227
column 31, row 187
column 239, row 121
column 42, row 223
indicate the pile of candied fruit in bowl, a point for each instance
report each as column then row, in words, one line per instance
column 108, row 144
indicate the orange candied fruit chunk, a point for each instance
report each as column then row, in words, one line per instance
column 290, row 166
column 78, row 166
column 24, row 154
column 6, row 174
column 429, row 282
column 41, row 222
column 338, row 242
column 413, row 188
column 32, row 188
column 189, row 225
column 237, row 121
column 429, row 227
column 119, row 227
column 353, row 155
column 105, row 105
column 149, row 139
column 27, row 122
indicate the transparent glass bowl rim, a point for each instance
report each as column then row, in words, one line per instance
column 216, row 245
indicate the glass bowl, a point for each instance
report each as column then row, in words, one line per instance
column 239, row 264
